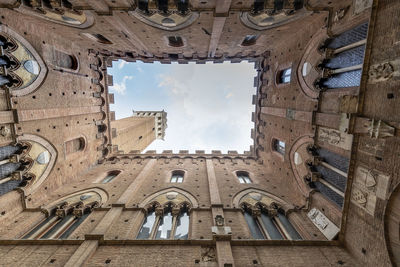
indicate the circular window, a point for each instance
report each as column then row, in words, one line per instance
column 43, row 158
column 32, row 67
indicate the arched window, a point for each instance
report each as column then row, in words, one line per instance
column 284, row 75
column 269, row 223
column 345, row 56
column 18, row 66
column 74, row 145
column 65, row 218
column 177, row 177
column 243, row 177
column 62, row 60
column 278, row 146
column 328, row 173
column 168, row 222
column 175, row 41
column 249, row 40
column 110, row 176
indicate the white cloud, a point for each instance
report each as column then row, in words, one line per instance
column 139, row 69
column 121, row 64
column 209, row 107
column 120, row 88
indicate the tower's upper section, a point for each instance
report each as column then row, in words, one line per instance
column 160, row 121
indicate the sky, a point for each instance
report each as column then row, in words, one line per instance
column 208, row 105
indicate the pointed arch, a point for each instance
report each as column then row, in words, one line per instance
column 161, row 197
column 263, row 197
column 31, row 53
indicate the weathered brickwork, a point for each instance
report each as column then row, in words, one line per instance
column 349, row 133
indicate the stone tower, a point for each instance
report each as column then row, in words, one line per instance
column 137, row 132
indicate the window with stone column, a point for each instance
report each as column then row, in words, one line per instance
column 23, row 164
column 166, row 219
column 344, row 57
column 65, row 217
column 267, row 219
column 327, row 173
column 18, row 67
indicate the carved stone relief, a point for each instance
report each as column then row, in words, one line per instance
column 335, row 137
column 208, row 254
column 380, row 72
column 339, row 14
column 361, row 5
column 327, row 228
column 368, row 185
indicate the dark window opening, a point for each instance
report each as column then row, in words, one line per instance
column 278, row 146
column 175, row 41
column 243, row 177
column 100, row 38
column 249, row 40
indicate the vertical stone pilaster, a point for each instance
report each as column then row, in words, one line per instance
column 84, row 252
column 221, row 234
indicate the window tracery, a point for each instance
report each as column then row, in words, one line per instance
column 58, row 11
column 167, row 217
column 65, row 216
column 344, row 57
column 19, row 67
column 270, row 13
column 266, row 218
column 170, row 15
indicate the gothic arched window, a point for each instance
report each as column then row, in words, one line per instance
column 175, row 41
column 243, row 177
column 342, row 66
column 269, row 223
column 167, row 222
column 328, row 173
column 65, row 217
column 278, row 146
column 177, row 177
